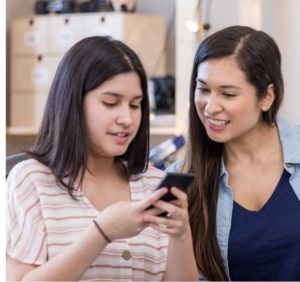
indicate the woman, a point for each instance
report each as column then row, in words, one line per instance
column 244, row 204
column 79, row 208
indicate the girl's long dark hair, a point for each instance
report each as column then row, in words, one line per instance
column 259, row 58
column 62, row 142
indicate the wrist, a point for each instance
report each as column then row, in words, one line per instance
column 102, row 232
column 185, row 235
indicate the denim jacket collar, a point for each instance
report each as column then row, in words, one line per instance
column 289, row 135
column 290, row 139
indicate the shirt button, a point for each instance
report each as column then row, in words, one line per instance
column 288, row 165
column 126, row 255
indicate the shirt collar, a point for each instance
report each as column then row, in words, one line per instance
column 289, row 135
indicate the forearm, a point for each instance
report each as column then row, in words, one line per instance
column 181, row 264
column 73, row 262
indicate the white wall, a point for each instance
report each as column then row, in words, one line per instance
column 278, row 18
column 282, row 21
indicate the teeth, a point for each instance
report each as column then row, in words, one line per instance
column 121, row 134
column 217, row 122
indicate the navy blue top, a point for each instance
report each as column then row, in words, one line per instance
column 265, row 245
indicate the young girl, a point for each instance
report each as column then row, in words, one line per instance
column 245, row 200
column 83, row 206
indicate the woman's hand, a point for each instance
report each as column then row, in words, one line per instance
column 126, row 219
column 176, row 223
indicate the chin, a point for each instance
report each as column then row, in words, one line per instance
column 119, row 153
column 218, row 139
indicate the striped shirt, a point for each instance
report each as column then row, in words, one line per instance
column 42, row 220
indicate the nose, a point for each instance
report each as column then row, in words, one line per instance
column 212, row 104
column 125, row 116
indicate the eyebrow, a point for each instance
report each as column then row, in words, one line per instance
column 227, row 86
column 119, row 95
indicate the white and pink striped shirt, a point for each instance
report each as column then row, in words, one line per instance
column 42, row 220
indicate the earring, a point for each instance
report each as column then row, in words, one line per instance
column 264, row 108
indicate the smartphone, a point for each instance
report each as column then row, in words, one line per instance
column 177, row 179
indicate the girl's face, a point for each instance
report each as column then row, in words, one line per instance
column 113, row 114
column 226, row 102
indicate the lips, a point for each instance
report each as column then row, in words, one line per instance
column 120, row 137
column 217, row 122
column 120, row 134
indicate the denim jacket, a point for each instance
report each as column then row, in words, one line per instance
column 290, row 140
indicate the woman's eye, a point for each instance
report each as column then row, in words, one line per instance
column 229, row 95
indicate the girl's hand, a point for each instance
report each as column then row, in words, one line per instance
column 176, row 223
column 126, row 219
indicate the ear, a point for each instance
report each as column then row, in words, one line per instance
column 267, row 101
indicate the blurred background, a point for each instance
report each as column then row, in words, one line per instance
column 164, row 33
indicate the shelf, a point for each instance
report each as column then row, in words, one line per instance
column 21, row 131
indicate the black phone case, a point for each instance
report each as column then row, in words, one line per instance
column 177, row 179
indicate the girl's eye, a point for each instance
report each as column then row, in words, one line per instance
column 202, row 89
column 135, row 106
column 109, row 104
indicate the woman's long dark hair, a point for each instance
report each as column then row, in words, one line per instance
column 62, row 142
column 259, row 58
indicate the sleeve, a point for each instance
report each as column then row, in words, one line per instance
column 26, row 235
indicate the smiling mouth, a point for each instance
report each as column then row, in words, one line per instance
column 120, row 134
column 217, row 122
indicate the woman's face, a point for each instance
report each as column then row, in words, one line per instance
column 226, row 102
column 113, row 114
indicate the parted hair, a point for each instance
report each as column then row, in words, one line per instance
column 62, row 141
column 258, row 56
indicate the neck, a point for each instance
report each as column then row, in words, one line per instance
column 263, row 142
column 102, row 168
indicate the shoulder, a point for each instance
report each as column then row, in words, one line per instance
column 27, row 174
column 29, row 169
column 147, row 181
column 152, row 174
column 30, row 166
